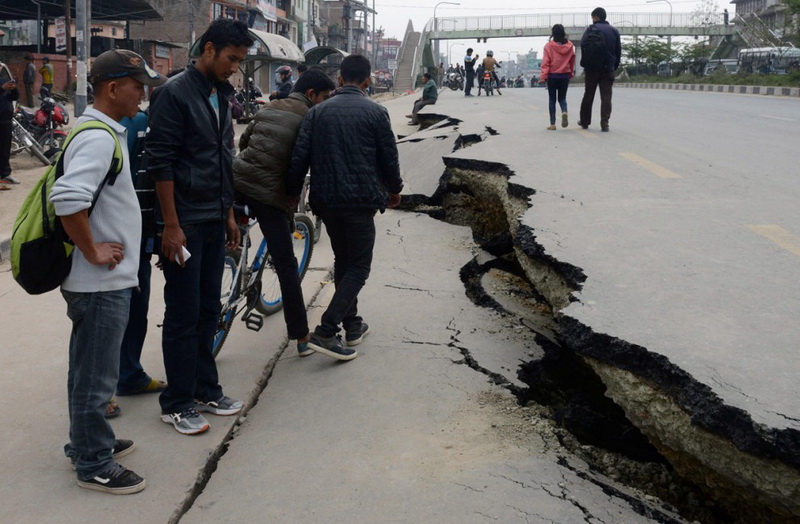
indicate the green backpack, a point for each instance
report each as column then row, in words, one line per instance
column 40, row 248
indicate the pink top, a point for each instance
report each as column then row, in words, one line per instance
column 558, row 59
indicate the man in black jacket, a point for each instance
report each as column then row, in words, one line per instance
column 190, row 159
column 349, row 144
column 600, row 74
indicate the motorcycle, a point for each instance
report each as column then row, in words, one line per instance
column 44, row 125
column 455, row 82
column 519, row 82
column 255, row 99
column 488, row 83
column 21, row 139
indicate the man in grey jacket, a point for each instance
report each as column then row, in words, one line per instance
column 259, row 172
column 104, row 268
column 349, row 144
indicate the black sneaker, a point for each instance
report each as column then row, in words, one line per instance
column 331, row 346
column 116, row 479
column 354, row 338
column 122, row 448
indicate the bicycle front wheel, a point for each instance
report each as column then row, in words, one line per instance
column 229, row 290
column 271, row 299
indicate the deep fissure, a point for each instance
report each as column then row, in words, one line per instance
column 573, row 386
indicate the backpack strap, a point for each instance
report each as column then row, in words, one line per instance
column 111, row 176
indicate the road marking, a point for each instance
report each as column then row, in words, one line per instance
column 778, row 118
column 650, row 166
column 585, row 132
column 780, row 236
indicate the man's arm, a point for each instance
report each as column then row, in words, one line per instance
column 388, row 159
column 301, row 158
column 97, row 253
column 172, row 237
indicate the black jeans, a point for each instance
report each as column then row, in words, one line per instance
column 192, row 299
column 352, row 234
column 470, row 82
column 132, row 377
column 276, row 228
column 605, row 81
column 557, row 89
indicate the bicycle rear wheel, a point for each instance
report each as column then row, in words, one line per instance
column 229, row 288
column 271, row 299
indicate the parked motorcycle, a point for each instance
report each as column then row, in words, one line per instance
column 44, row 125
column 256, row 100
column 455, row 82
column 519, row 82
column 21, row 139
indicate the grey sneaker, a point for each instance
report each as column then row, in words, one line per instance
column 332, row 346
column 116, row 480
column 354, row 338
column 187, row 422
column 223, row 406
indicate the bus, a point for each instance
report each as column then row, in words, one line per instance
column 769, row 60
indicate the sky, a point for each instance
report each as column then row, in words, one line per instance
column 393, row 16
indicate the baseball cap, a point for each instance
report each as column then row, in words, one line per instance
column 119, row 63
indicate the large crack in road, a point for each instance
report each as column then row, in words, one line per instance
column 661, row 430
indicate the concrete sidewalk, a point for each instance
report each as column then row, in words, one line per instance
column 413, row 430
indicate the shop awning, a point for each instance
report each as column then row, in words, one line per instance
column 268, row 47
column 101, row 10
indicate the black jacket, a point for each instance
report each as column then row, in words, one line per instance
column 186, row 144
column 613, row 43
column 349, row 144
column 7, row 103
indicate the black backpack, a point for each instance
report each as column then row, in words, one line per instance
column 594, row 52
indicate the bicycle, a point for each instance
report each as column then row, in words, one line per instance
column 255, row 283
column 304, row 208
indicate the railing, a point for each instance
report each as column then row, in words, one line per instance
column 539, row 21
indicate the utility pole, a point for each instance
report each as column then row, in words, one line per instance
column 81, row 36
column 68, row 51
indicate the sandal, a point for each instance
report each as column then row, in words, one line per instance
column 112, row 409
column 154, row 386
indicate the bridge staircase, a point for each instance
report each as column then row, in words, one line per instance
column 755, row 32
column 404, row 78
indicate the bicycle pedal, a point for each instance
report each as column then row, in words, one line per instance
column 253, row 321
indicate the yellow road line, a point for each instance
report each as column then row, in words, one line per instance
column 650, row 166
column 584, row 132
column 780, row 236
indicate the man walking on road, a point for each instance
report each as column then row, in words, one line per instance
column 190, row 160
column 104, row 267
column 601, row 52
column 259, row 172
column 349, row 144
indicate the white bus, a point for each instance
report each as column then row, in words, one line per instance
column 769, row 60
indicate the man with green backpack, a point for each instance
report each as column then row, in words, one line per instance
column 104, row 265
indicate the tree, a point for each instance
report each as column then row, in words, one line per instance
column 706, row 13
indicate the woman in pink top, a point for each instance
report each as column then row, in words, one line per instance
column 558, row 67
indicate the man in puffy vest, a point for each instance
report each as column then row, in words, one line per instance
column 599, row 70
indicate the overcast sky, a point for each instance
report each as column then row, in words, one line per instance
column 393, row 16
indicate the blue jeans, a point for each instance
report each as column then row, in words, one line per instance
column 557, row 88
column 352, row 234
column 274, row 224
column 132, row 377
column 98, row 324
column 192, row 299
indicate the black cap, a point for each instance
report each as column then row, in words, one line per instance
column 119, row 63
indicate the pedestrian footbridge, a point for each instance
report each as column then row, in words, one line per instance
column 484, row 28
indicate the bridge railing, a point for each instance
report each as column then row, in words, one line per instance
column 539, row 21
